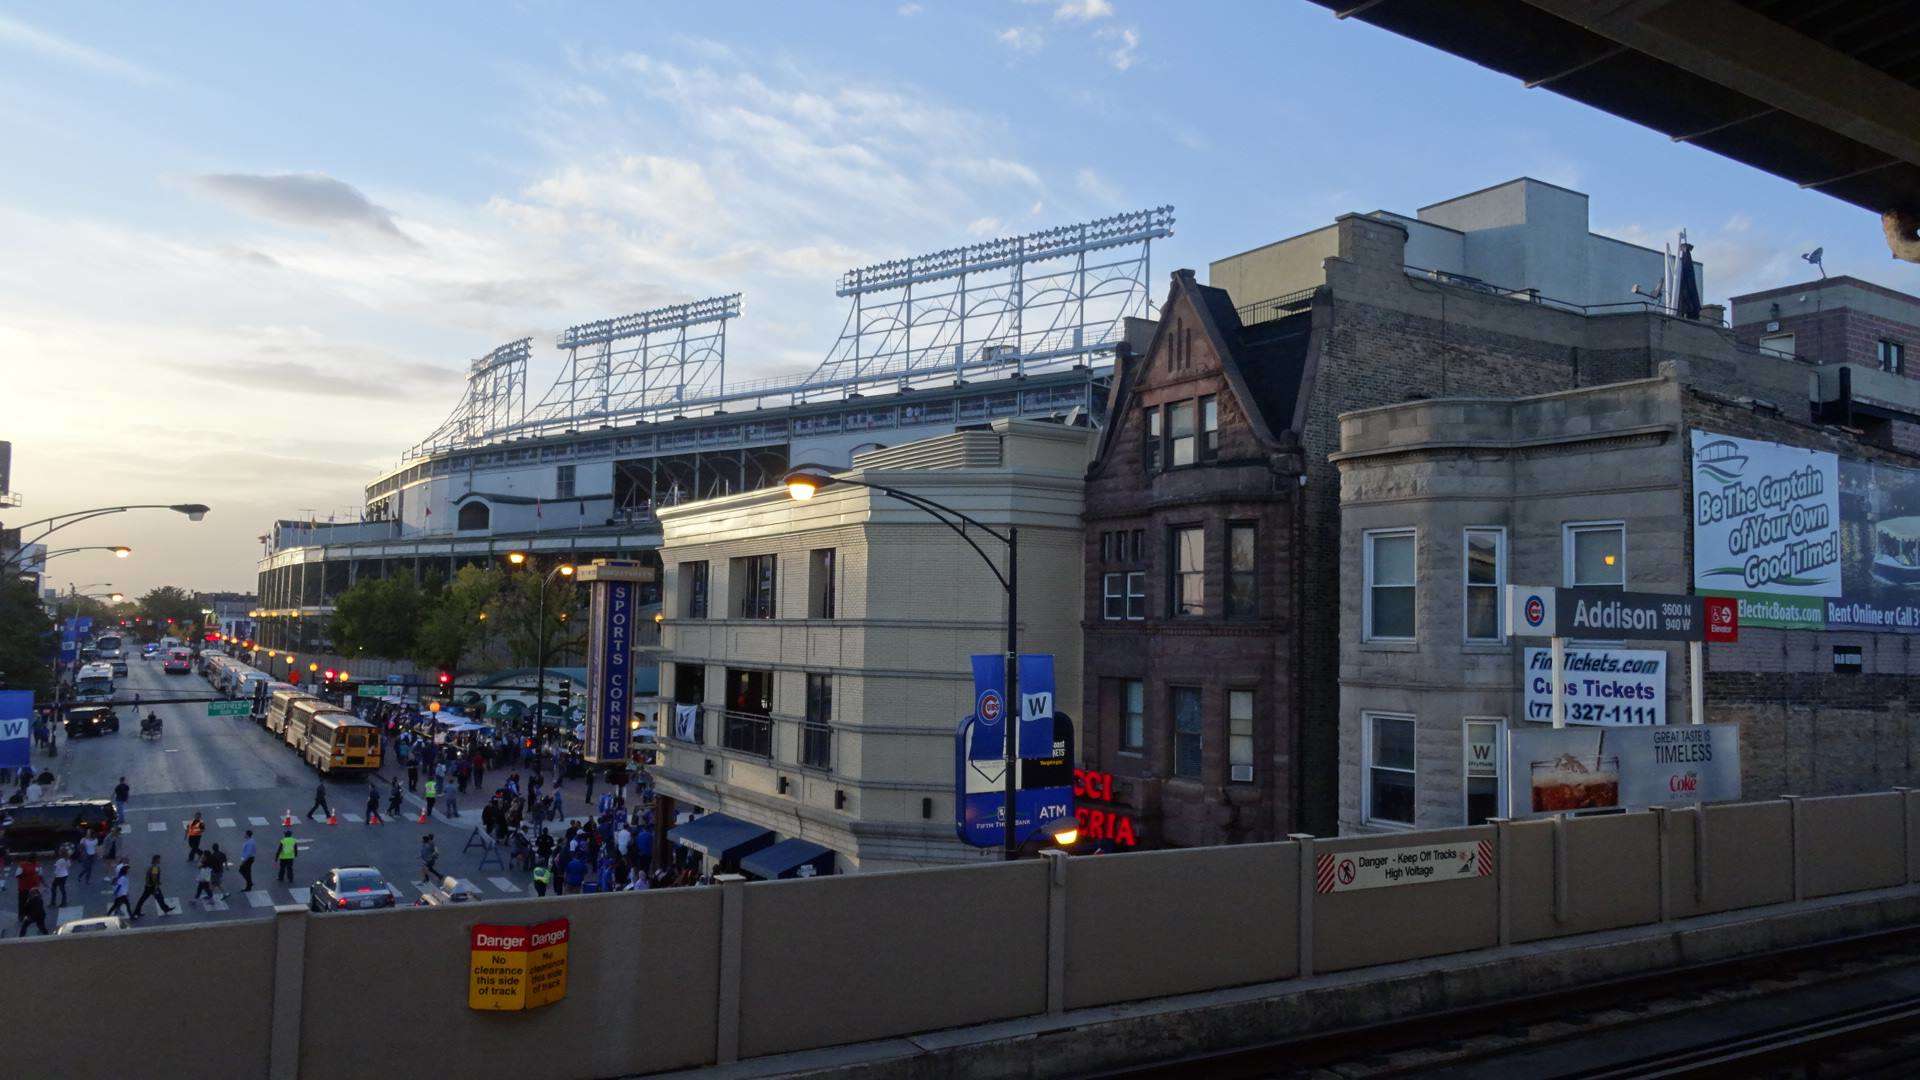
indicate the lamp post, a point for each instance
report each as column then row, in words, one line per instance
column 540, row 636
column 194, row 512
column 120, row 551
column 805, row 481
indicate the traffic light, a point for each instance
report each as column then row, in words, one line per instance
column 566, row 694
column 329, row 675
column 445, row 690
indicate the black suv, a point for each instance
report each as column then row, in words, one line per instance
column 92, row 720
column 40, row 828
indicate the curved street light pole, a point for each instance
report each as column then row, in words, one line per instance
column 803, row 481
column 540, row 639
column 194, row 512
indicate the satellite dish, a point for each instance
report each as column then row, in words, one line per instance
column 1815, row 255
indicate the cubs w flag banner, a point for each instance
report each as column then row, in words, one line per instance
column 990, row 707
column 686, row 720
column 16, row 728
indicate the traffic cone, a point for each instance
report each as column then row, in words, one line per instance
column 331, row 819
column 286, row 820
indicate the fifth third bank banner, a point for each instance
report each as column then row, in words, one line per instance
column 1805, row 539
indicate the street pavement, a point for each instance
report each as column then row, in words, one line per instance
column 239, row 776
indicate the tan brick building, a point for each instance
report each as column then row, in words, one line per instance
column 825, row 644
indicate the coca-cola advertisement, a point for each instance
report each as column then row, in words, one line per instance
column 1574, row 769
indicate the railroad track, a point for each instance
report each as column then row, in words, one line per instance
column 1492, row 1039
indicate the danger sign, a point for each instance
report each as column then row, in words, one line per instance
column 511, row 968
column 1423, row 865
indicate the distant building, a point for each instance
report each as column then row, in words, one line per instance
column 1859, row 335
column 816, row 663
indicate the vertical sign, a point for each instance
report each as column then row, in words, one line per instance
column 991, row 708
column 512, row 968
column 16, row 728
column 610, row 682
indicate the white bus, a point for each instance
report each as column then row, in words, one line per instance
column 110, row 647
column 94, row 683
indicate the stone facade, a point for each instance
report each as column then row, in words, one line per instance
column 911, row 602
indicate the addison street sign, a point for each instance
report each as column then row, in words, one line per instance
column 1604, row 613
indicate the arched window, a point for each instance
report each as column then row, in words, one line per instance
column 475, row 515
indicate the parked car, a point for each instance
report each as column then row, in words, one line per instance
column 92, row 720
column 102, row 924
column 178, row 665
column 451, row 890
column 40, row 828
column 119, row 666
column 350, row 888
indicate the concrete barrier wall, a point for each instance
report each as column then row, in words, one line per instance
column 689, row 977
column 385, row 992
column 1380, row 926
column 186, row 1001
column 1235, row 912
column 1610, row 871
column 1723, row 858
column 1847, row 843
column 845, row 959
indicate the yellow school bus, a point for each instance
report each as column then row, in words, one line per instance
column 279, row 707
column 340, row 740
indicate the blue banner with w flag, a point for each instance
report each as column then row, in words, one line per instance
column 16, row 728
column 988, row 741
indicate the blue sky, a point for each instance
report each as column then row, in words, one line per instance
column 248, row 252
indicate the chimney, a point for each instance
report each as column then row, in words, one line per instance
column 1713, row 314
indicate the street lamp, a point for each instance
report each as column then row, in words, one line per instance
column 805, row 481
column 194, row 512
column 120, row 551
column 540, row 636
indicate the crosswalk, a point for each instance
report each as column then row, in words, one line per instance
column 406, row 887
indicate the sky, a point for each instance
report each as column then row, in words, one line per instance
column 247, row 253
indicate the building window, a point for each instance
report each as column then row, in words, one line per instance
column 1185, row 702
column 1389, row 768
column 1180, row 434
column 1486, row 750
column 475, row 515
column 1209, row 428
column 1893, row 357
column 1137, row 545
column 1390, row 585
column 1596, row 554
column 563, row 482
column 749, row 719
column 1243, row 581
column 1114, row 600
column 1151, row 449
column 1777, row 344
column 1137, row 595
column 689, row 691
column 1485, row 574
column 753, row 586
column 1187, row 590
column 1133, row 715
column 816, row 739
column 1240, row 736
column 820, row 584
column 693, row 583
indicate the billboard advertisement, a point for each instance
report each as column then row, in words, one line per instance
column 1805, row 539
column 1553, row 770
column 1604, row 687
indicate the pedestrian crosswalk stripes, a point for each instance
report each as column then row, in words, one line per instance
column 156, row 826
column 260, row 898
column 225, row 822
column 70, row 913
column 503, row 884
column 256, row 821
column 350, row 816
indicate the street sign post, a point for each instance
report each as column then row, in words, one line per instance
column 1607, row 614
column 228, row 708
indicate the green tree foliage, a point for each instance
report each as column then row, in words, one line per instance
column 171, row 602
column 516, row 618
column 25, row 636
column 378, row 617
column 451, row 627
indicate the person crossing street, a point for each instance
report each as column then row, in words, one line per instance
column 319, row 800
column 120, row 902
column 432, row 793
column 248, row 849
column 393, row 798
column 428, row 855
column 373, row 803
column 152, row 890
column 195, row 830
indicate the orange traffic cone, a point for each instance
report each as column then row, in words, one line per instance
column 286, row 820
column 423, row 817
column 331, row 819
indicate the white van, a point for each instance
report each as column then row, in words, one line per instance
column 94, row 683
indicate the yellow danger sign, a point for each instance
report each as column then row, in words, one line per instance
column 512, row 968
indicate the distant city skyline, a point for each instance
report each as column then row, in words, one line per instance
column 252, row 256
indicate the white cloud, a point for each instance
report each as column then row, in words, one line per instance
column 1127, row 52
column 1021, row 39
column 1082, row 10
column 910, row 10
column 15, row 33
column 1099, row 189
column 302, row 199
column 985, row 226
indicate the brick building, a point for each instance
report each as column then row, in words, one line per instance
column 1857, row 335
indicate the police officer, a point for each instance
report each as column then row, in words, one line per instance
column 288, row 849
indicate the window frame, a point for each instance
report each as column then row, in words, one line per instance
column 1176, row 603
column 1191, row 407
column 1154, row 453
column 822, row 580
column 1236, row 738
column 750, row 585
column 697, row 597
column 1136, row 595
column 1112, row 585
column 817, row 723
column 1367, row 540
column 1174, row 734
column 1367, row 767
column 1133, row 738
column 1570, row 529
column 1885, row 348
column 1467, row 585
column 1500, row 764
column 564, row 482
column 1207, row 420
column 1251, row 574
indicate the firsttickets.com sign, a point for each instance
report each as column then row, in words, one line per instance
column 1610, row 687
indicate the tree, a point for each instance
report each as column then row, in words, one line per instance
column 171, row 602
column 451, row 625
column 516, row 617
column 378, row 617
column 25, row 640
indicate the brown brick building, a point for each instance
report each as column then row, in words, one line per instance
column 1193, row 504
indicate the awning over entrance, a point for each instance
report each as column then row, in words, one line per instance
column 794, row 858
column 720, row 837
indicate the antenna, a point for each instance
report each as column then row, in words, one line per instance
column 1818, row 258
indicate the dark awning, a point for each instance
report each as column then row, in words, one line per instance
column 789, row 859
column 721, row 837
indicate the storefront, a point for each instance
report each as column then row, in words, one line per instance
column 794, row 858
column 720, row 840
column 1107, row 820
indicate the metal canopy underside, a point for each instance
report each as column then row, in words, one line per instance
column 1825, row 93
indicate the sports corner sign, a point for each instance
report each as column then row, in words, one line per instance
column 1425, row 864
column 612, row 630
